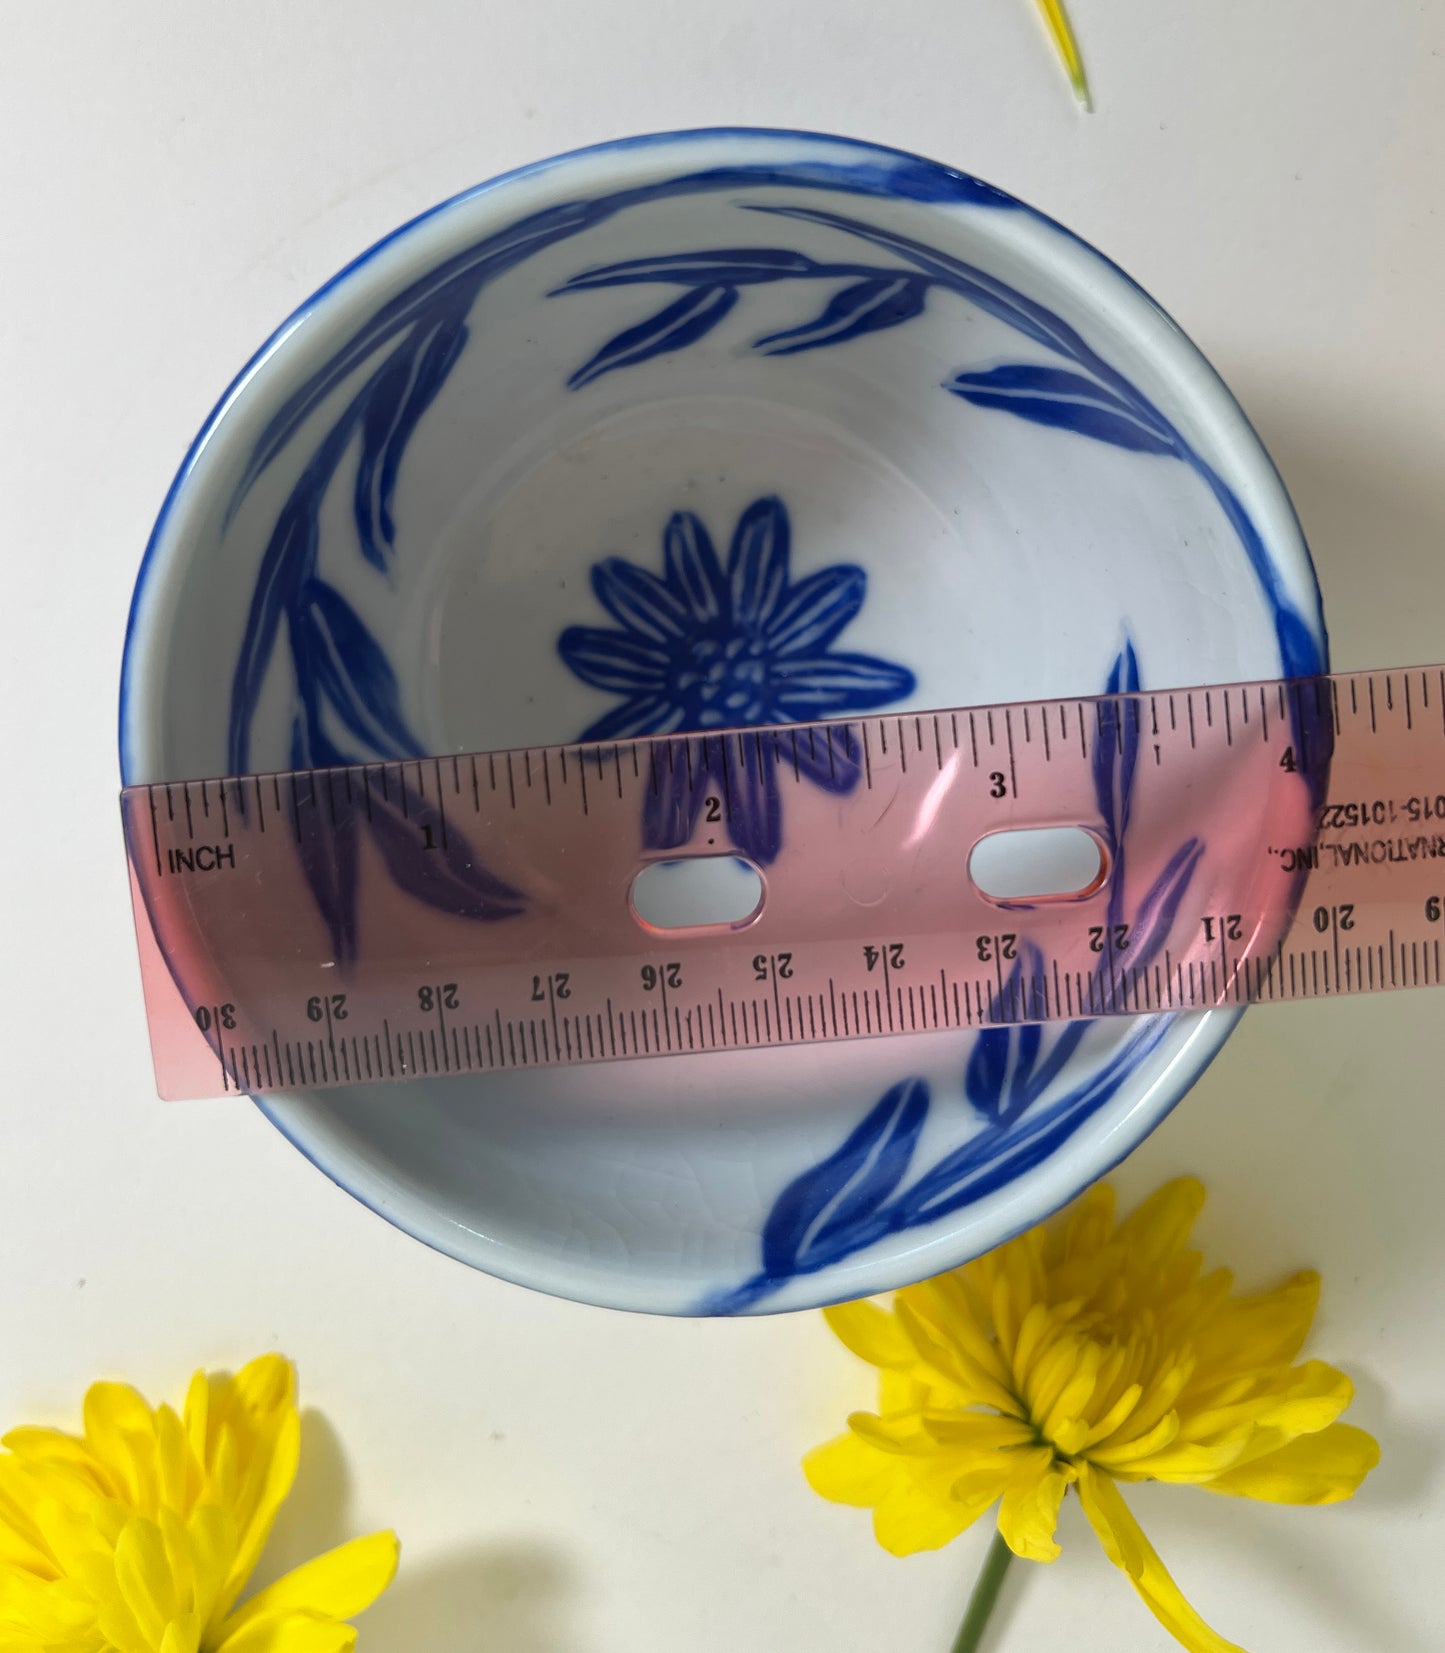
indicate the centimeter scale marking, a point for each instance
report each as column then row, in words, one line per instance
column 1259, row 842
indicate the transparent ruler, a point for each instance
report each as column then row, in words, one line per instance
column 967, row 868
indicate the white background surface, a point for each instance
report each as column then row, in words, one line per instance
column 174, row 179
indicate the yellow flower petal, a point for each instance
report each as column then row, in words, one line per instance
column 926, row 1514
column 291, row 1633
column 183, row 1635
column 1126, row 1546
column 120, row 1433
column 339, row 1584
column 976, row 1432
column 1029, row 1510
column 976, row 1385
column 1257, row 1332
column 143, row 1575
column 21, row 1544
column 871, row 1333
column 263, row 1492
column 1160, row 1226
column 211, row 1534
column 902, row 1434
column 195, row 1415
column 1090, row 1223
column 1138, row 1454
column 264, row 1387
column 900, row 1391
column 847, row 1470
column 1315, row 1397
column 178, row 1473
column 47, row 1446
column 53, row 1610
column 1312, row 1469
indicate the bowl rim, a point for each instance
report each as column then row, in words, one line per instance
column 551, row 1273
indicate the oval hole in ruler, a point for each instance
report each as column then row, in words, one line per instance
column 1064, row 863
column 699, row 891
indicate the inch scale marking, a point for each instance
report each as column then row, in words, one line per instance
column 1256, row 842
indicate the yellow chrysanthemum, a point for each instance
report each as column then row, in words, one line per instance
column 1087, row 1354
column 138, row 1535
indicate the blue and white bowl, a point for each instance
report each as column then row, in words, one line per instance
column 698, row 429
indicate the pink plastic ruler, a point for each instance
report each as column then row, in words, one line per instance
column 464, row 914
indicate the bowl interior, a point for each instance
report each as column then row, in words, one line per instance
column 723, row 428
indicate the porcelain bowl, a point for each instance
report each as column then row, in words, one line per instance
column 699, row 429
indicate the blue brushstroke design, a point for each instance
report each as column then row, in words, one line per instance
column 1089, row 397
column 389, row 373
column 860, row 1194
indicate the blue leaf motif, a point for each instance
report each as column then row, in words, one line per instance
column 399, row 394
column 1116, row 748
column 1087, row 408
column 1007, row 1079
column 1156, row 914
column 756, row 822
column 993, row 1158
column 680, row 323
column 987, row 1069
column 448, row 877
column 999, row 1078
column 992, row 296
column 288, row 563
column 842, row 1191
column 351, row 670
column 327, row 839
column 723, row 266
column 867, row 306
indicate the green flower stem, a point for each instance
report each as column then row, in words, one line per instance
column 984, row 1598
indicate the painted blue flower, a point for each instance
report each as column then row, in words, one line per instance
column 706, row 647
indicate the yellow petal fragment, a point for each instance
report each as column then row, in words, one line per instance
column 1126, row 1546
column 338, row 1585
column 871, row 1333
column 1313, row 1469
column 1062, row 34
column 1029, row 1510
